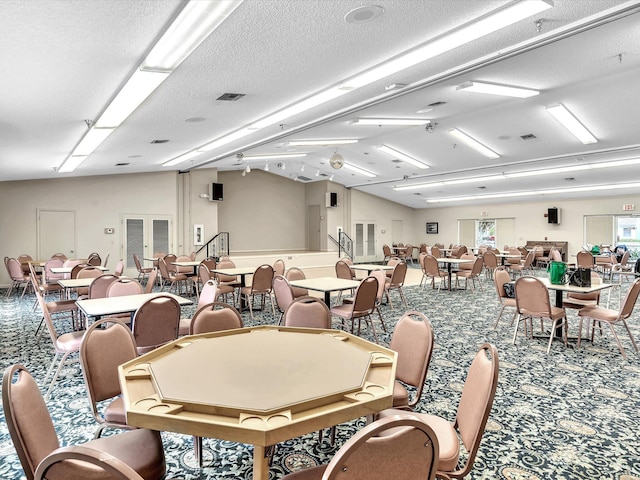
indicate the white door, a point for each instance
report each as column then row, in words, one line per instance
column 145, row 235
column 364, row 241
column 56, row 233
column 313, row 233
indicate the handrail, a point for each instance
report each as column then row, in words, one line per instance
column 344, row 244
column 216, row 246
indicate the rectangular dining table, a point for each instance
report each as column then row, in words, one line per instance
column 370, row 267
column 327, row 285
column 103, row 307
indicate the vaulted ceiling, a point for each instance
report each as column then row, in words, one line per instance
column 64, row 60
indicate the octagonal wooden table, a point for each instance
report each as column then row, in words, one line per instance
column 259, row 385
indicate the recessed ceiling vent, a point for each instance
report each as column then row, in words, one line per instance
column 396, row 161
column 303, row 178
column 436, row 104
column 230, row 97
column 121, row 164
column 528, row 136
column 159, row 141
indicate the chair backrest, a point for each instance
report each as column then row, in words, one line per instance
column 310, row 312
column 136, row 260
column 500, row 277
column 381, row 276
column 476, row 269
column 119, row 268
column 262, row 279
column 462, row 249
column 164, row 268
column 625, row 258
column 208, row 293
column 629, row 302
column 294, row 273
column 423, row 248
column 556, row 256
column 169, row 258
column 364, row 300
column 213, row 317
column 409, row 451
column 584, row 259
column 278, row 267
column 283, row 292
column 78, row 455
column 399, row 274
column 49, row 276
column 528, row 260
column 184, row 268
column 193, row 256
column 124, row 286
column 490, row 259
column 89, row 272
column 101, row 352
column 151, row 280
column 386, row 250
column 408, row 253
column 99, row 287
column 532, row 297
column 156, row 322
column 204, row 273
column 94, row 259
column 15, row 270
column 59, row 256
column 515, row 254
column 76, row 269
column 431, row 265
column 28, row 420
column 476, row 401
column 226, row 263
column 210, row 262
column 343, row 270
column 413, row 340
column 466, row 266
column 435, row 251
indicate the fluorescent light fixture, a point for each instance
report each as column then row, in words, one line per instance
column 495, row 89
column 554, row 191
column 391, row 121
column 359, row 170
column 271, row 156
column 473, row 143
column 460, row 181
column 402, row 156
column 181, row 158
column 191, row 27
column 91, row 140
column 504, row 16
column 493, row 21
column 571, row 123
column 141, row 84
column 334, row 141
column 193, row 24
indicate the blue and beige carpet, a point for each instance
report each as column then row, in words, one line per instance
column 573, row 414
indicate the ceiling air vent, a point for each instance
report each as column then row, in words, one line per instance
column 303, row 178
column 528, row 136
column 230, row 97
column 159, row 141
column 436, row 104
column 121, row 164
column 396, row 161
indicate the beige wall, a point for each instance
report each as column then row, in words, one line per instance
column 261, row 211
column 530, row 222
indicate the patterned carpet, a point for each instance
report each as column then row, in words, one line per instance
column 573, row 414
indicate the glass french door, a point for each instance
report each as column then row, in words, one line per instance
column 145, row 235
column 364, row 241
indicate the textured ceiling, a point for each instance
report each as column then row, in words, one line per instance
column 63, row 60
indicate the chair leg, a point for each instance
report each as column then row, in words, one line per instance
column 633, row 342
column 615, row 335
column 495, row 325
column 197, row 449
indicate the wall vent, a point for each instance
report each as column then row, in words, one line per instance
column 230, row 97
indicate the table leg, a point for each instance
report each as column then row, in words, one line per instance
column 449, row 265
column 559, row 327
column 260, row 463
column 327, row 299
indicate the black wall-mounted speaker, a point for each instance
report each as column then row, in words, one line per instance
column 332, row 199
column 553, row 215
column 215, row 192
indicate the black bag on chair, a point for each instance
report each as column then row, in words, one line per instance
column 510, row 289
column 580, row 277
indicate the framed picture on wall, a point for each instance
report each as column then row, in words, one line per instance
column 432, row 227
column 198, row 234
